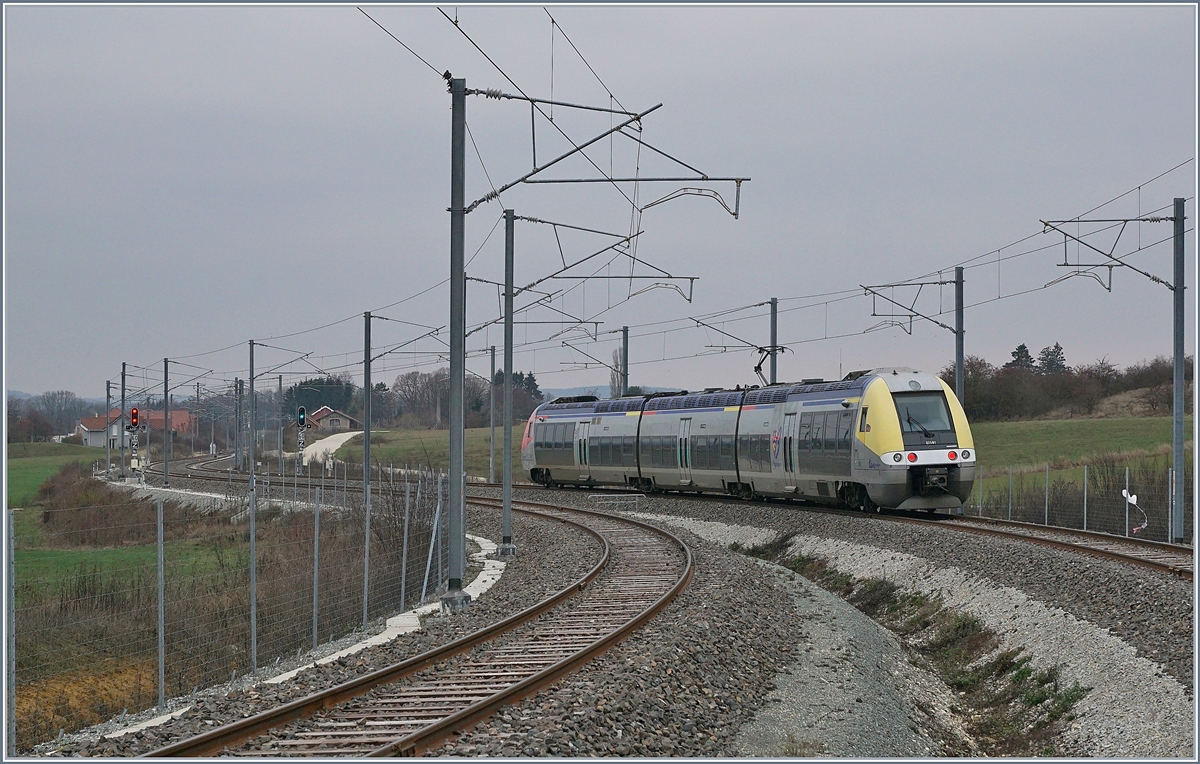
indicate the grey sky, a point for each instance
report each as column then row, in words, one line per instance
column 182, row 179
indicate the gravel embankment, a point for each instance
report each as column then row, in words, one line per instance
column 744, row 639
column 1152, row 612
column 551, row 555
column 1123, row 632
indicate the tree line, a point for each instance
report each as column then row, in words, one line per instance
column 1029, row 386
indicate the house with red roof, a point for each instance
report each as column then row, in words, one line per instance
column 91, row 429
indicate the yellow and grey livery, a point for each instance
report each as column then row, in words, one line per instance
column 890, row 437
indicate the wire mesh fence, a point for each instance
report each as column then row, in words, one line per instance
column 88, row 583
column 1110, row 495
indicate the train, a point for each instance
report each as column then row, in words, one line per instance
column 887, row 438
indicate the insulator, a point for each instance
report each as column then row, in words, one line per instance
column 493, row 93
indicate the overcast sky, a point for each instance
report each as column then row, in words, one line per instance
column 179, row 180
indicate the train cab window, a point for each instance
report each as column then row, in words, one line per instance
column 862, row 422
column 830, row 431
column 922, row 410
column 845, row 423
column 804, row 436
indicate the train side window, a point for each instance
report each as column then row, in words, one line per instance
column 743, row 452
column 647, row 450
column 830, row 433
column 656, row 456
column 606, row 452
column 593, row 451
column 627, row 456
column 862, row 422
column 568, row 434
column 845, row 424
column 804, row 436
column 727, row 460
column 818, row 426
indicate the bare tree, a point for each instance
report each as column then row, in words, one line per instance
column 614, row 376
column 61, row 408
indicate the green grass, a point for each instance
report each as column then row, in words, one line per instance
column 29, row 464
column 1000, row 444
column 50, row 565
column 431, row 448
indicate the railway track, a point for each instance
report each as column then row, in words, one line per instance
column 411, row 706
column 1170, row 558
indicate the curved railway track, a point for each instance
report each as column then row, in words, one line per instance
column 1170, row 558
column 411, row 706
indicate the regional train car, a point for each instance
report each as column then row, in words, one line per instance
column 890, row 437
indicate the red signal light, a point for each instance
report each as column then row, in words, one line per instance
column 133, row 417
column 952, row 456
column 912, row 457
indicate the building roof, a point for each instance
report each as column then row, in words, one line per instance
column 96, row 423
column 180, row 419
column 320, row 414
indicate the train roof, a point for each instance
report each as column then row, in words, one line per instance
column 710, row 398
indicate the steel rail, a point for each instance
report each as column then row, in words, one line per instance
column 215, row 740
column 429, row 735
column 424, row 739
column 1179, row 570
column 1185, row 571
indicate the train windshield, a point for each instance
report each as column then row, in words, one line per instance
column 922, row 412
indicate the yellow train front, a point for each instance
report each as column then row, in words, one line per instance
column 894, row 438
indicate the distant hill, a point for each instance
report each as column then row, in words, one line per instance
column 19, row 395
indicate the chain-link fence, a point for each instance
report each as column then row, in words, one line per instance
column 1109, row 496
column 90, row 583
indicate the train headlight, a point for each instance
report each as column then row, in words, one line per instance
column 966, row 454
column 952, row 456
column 896, row 457
column 912, row 457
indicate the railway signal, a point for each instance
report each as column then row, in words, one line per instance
column 133, row 418
column 301, row 426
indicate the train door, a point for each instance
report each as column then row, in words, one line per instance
column 685, row 451
column 789, row 451
column 581, row 450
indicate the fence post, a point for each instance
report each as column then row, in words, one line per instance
column 1085, row 497
column 433, row 536
column 10, row 669
column 1010, row 493
column 981, row 493
column 1126, row 502
column 162, row 618
column 316, row 563
column 1046, row 511
column 404, row 549
column 1170, row 501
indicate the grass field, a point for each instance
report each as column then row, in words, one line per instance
column 50, row 565
column 29, row 464
column 999, row 444
column 1003, row 444
column 432, row 448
